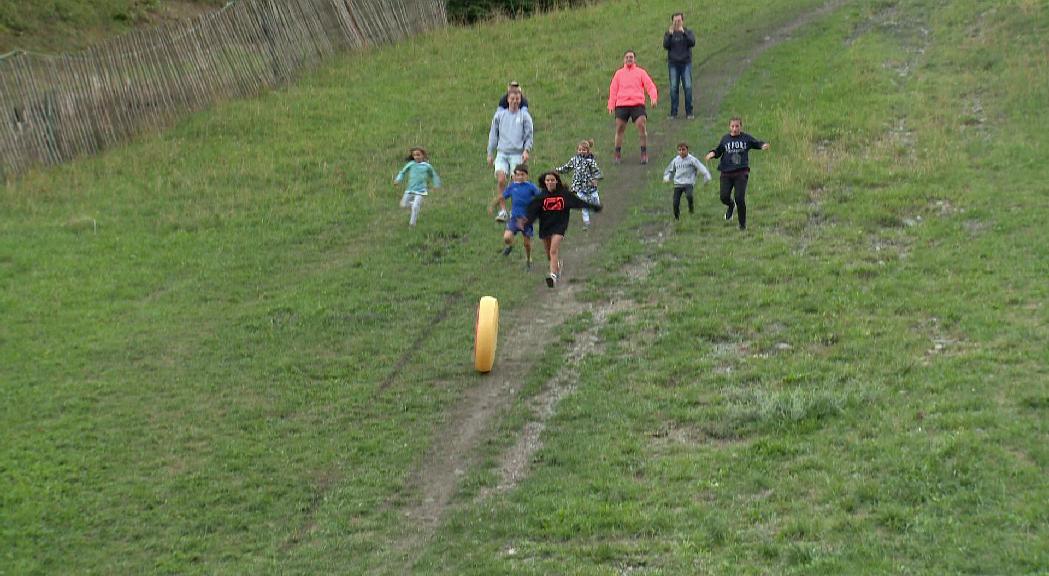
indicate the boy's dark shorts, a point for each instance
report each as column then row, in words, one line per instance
column 511, row 225
column 630, row 113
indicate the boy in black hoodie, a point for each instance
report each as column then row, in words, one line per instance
column 735, row 167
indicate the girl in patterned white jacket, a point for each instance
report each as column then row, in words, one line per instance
column 585, row 174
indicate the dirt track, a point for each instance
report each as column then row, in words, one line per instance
column 436, row 477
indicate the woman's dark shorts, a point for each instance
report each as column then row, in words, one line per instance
column 630, row 113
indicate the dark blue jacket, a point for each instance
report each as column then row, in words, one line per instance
column 732, row 150
column 679, row 46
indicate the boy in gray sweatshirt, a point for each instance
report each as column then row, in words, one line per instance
column 684, row 168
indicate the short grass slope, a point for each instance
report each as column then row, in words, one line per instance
column 56, row 26
column 222, row 350
column 859, row 383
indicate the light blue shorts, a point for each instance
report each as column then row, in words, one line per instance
column 506, row 163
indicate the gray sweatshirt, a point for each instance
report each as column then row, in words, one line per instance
column 511, row 132
column 684, row 170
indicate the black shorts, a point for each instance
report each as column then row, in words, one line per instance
column 630, row 113
column 549, row 231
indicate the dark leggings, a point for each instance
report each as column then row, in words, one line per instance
column 737, row 180
column 678, row 191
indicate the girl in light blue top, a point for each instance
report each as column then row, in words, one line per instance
column 420, row 174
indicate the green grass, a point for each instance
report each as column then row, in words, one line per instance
column 56, row 26
column 222, row 350
column 853, row 386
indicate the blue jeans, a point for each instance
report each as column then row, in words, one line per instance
column 680, row 75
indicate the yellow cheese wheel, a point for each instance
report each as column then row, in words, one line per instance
column 487, row 333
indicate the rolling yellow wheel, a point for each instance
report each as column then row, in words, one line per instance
column 487, row 333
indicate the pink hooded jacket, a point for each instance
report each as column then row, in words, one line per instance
column 628, row 88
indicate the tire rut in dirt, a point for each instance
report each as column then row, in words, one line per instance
column 433, row 482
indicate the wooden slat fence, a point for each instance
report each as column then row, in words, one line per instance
column 54, row 108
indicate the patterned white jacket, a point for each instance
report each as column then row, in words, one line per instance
column 584, row 171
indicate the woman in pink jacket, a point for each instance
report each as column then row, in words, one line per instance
column 626, row 98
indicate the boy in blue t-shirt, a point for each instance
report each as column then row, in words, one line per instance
column 520, row 192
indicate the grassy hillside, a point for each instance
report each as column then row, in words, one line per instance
column 56, row 26
column 222, row 350
column 857, row 385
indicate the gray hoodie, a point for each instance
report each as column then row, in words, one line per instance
column 511, row 132
column 684, row 170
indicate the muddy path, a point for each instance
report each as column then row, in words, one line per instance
column 433, row 482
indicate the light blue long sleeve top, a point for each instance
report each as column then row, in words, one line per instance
column 419, row 175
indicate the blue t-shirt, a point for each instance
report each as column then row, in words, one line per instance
column 521, row 195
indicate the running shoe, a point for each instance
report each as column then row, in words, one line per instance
column 618, row 157
column 728, row 213
column 528, row 265
column 501, row 216
column 644, row 157
column 508, row 250
column 551, row 280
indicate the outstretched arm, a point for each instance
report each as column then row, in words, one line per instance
column 753, row 143
column 531, row 213
column 400, row 175
column 595, row 174
column 702, row 170
column 669, row 172
column 716, row 152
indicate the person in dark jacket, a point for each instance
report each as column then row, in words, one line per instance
column 551, row 209
column 735, row 167
column 504, row 102
column 678, row 42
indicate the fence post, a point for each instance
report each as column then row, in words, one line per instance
column 54, row 108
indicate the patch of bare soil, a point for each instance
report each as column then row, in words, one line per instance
column 514, row 463
column 433, row 483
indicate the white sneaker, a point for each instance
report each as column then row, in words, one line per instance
column 501, row 216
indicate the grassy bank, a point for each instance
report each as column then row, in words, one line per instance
column 57, row 26
column 223, row 350
column 857, row 384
